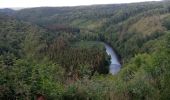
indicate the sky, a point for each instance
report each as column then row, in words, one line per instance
column 59, row 3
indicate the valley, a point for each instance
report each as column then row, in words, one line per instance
column 96, row 52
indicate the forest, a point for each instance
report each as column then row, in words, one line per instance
column 58, row 52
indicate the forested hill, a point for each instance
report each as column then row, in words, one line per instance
column 90, row 17
column 7, row 11
column 116, row 24
column 56, row 53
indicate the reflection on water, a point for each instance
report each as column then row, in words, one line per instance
column 115, row 65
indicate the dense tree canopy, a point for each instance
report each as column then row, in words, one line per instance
column 58, row 53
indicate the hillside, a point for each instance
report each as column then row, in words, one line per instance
column 57, row 52
column 117, row 22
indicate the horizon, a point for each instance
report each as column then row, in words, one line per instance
column 17, row 5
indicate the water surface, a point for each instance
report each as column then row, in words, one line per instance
column 115, row 65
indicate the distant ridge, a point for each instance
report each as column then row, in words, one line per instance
column 7, row 11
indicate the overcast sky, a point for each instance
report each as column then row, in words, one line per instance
column 55, row 3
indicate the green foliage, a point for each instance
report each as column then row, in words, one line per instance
column 166, row 22
column 80, row 54
column 60, row 59
column 25, row 79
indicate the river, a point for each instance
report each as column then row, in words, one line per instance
column 115, row 65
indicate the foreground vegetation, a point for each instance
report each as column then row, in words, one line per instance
column 51, row 52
